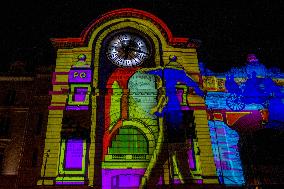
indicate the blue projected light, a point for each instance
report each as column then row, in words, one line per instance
column 252, row 98
column 226, row 153
column 169, row 107
column 251, row 87
column 171, row 77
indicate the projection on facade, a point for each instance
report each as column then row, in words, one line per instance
column 132, row 107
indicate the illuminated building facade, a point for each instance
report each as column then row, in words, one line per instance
column 131, row 107
column 24, row 101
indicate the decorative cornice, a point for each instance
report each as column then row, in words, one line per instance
column 4, row 142
column 16, row 78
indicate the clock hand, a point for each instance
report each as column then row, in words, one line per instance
column 132, row 57
column 137, row 50
column 126, row 51
column 125, row 55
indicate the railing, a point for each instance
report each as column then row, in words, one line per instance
column 138, row 156
column 127, row 157
column 118, row 156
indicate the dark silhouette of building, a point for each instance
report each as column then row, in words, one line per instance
column 23, row 115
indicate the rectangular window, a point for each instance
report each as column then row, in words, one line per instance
column 80, row 94
column 39, row 123
column 35, row 158
column 74, row 154
column 1, row 160
column 10, row 98
column 4, row 126
column 126, row 181
column 191, row 156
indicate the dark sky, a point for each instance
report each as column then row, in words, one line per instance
column 228, row 31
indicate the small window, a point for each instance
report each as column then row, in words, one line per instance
column 1, row 159
column 39, row 123
column 4, row 126
column 34, row 158
column 80, row 94
column 126, row 181
column 10, row 98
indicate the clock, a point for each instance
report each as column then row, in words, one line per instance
column 127, row 50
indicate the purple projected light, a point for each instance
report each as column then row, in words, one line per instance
column 69, row 182
column 129, row 180
column 191, row 157
column 80, row 76
column 74, row 154
column 77, row 107
column 177, row 181
column 122, row 178
column 80, row 94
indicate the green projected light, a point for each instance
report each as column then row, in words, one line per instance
column 129, row 141
column 115, row 104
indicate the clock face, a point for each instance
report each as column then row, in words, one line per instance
column 127, row 50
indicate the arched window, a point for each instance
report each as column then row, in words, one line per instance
column 129, row 140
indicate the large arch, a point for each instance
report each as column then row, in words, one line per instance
column 95, row 45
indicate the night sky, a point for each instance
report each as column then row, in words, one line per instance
column 228, row 31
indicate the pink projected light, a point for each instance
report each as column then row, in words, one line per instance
column 74, row 154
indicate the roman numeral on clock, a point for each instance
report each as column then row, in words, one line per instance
column 141, row 56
